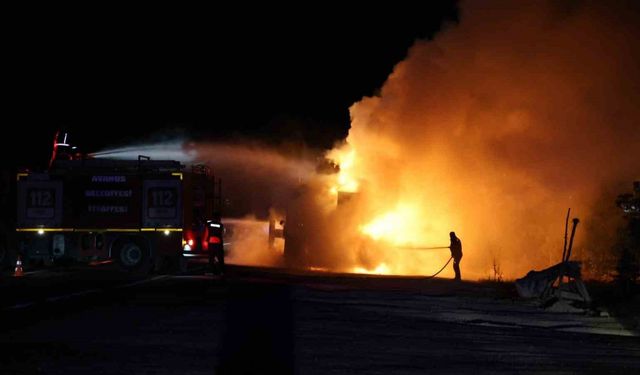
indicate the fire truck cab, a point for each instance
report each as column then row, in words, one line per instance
column 138, row 213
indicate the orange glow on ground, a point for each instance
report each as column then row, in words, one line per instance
column 319, row 269
column 382, row 269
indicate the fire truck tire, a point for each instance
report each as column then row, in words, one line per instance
column 293, row 248
column 132, row 254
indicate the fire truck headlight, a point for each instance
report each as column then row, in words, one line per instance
column 41, row 231
column 187, row 247
column 166, row 232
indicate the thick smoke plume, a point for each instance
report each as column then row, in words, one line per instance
column 257, row 184
column 498, row 125
column 492, row 130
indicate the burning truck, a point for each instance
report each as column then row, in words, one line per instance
column 139, row 213
column 322, row 225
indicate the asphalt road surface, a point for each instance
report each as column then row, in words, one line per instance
column 100, row 321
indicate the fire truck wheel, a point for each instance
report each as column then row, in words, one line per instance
column 131, row 254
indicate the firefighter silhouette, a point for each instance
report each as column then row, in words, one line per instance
column 456, row 254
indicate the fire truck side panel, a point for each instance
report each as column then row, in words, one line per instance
column 96, row 245
column 93, row 215
column 102, row 200
column 162, row 204
column 39, row 203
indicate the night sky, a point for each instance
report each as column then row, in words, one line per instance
column 115, row 77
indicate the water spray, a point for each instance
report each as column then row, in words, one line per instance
column 172, row 150
column 422, row 248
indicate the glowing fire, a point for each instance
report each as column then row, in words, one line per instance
column 346, row 181
column 400, row 226
column 382, row 269
column 471, row 134
column 319, row 269
column 383, row 224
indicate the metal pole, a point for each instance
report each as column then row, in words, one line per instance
column 566, row 228
column 573, row 232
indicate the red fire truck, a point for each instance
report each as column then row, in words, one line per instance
column 139, row 213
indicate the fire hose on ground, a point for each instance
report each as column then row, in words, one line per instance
column 430, row 248
column 441, row 269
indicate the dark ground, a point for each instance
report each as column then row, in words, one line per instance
column 263, row 321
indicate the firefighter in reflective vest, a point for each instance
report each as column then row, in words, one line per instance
column 216, row 245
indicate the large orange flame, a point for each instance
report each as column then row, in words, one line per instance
column 492, row 130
